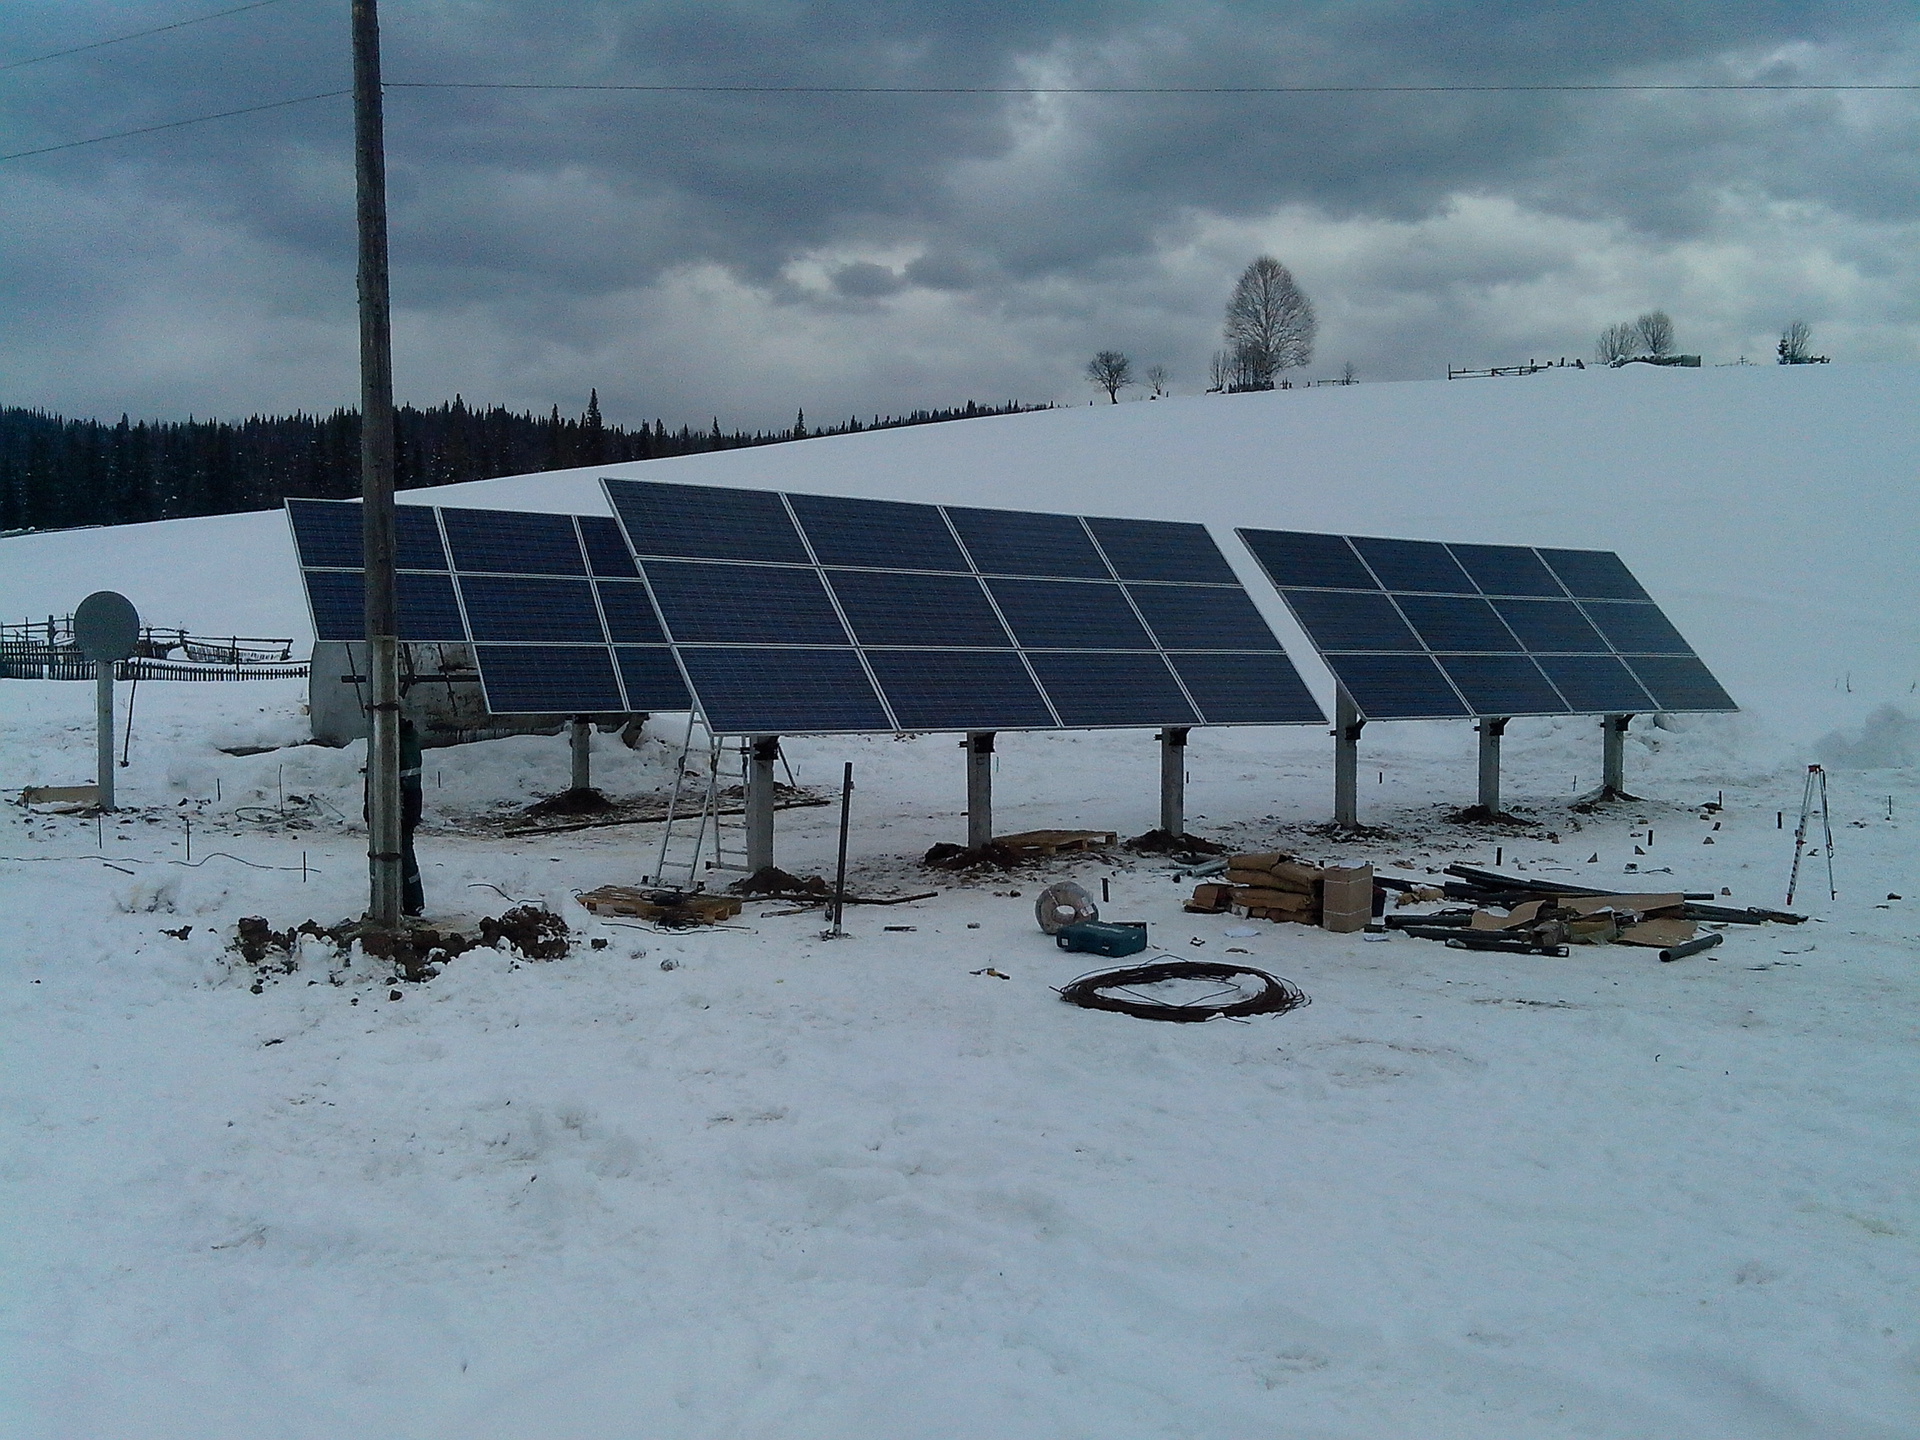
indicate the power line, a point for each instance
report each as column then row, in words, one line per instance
column 176, row 124
column 138, row 34
column 1106, row 89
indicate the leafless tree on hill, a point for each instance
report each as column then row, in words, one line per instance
column 1270, row 324
column 1112, row 372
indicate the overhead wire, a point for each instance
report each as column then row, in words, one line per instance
column 135, row 35
column 176, row 124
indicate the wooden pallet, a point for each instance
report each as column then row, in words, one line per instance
column 1055, row 842
column 629, row 900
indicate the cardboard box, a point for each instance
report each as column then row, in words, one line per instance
column 1346, row 898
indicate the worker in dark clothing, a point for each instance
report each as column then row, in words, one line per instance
column 413, row 900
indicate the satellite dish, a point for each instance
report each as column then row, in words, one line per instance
column 1063, row 904
column 106, row 627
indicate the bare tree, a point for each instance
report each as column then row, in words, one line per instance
column 1219, row 372
column 1617, row 344
column 1796, row 345
column 1349, row 375
column 1158, row 377
column 1270, row 324
column 1112, row 372
column 1655, row 332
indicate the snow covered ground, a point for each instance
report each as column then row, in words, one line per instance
column 792, row 1188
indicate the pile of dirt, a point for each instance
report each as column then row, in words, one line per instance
column 993, row 855
column 536, row 933
column 776, row 883
column 418, row 952
column 569, row 802
column 1159, row 842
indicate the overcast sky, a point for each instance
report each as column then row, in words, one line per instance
column 703, row 254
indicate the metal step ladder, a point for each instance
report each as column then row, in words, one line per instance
column 696, row 836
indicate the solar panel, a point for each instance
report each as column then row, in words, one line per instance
column 960, row 690
column 1425, row 628
column 1016, row 542
column 607, row 552
column 629, row 613
column 954, row 613
column 506, row 542
column 537, row 679
column 652, row 679
column 705, row 522
column 917, row 610
column 1162, row 550
column 424, row 607
column 785, row 691
column 744, row 604
column 877, row 534
column 531, row 608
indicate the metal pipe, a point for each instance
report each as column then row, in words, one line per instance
column 1173, row 781
column 1491, row 728
column 763, row 754
column 103, row 724
column 1692, row 947
column 580, row 744
column 1613, row 754
column 979, row 745
column 1346, row 759
column 840, row 872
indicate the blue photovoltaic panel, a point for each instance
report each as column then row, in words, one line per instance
column 545, row 679
column 1596, row 684
column 744, row 605
column 1594, row 575
column 1336, row 620
column 960, row 690
column 783, row 691
column 877, row 534
column 1636, row 629
column 1420, row 566
column 1016, row 542
column 1456, row 622
column 629, row 612
column 1680, row 682
column 1503, row 685
column 425, row 609
column 1548, row 627
column 607, row 552
column 1162, row 550
column 531, row 608
column 509, row 542
column 1202, row 617
column 705, row 522
column 917, row 609
column 652, row 679
column 1506, row 570
column 1069, row 615
column 327, row 534
column 1397, row 687
column 1095, row 691
column 1316, row 562
column 1247, row 689
column 1476, row 618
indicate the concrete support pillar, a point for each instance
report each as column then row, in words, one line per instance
column 384, row 834
column 763, row 751
column 1173, row 780
column 1491, row 728
column 103, row 722
column 979, row 747
column 580, row 744
column 1347, row 725
column 1613, row 754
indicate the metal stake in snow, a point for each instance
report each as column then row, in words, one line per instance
column 1814, row 794
column 840, row 874
column 376, row 475
column 106, row 627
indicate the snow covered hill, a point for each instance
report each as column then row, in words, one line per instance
column 752, row 1184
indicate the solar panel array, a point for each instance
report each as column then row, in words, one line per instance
column 807, row 614
column 552, row 606
column 1418, row 629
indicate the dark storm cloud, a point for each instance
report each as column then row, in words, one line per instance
column 527, row 215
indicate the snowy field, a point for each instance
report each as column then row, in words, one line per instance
column 747, row 1184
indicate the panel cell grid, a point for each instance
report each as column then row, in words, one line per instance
column 877, row 534
column 1162, row 550
column 744, row 604
column 1069, row 615
column 960, row 690
column 507, row 542
column 918, row 610
column 705, row 522
column 1014, row 542
column 1501, row 629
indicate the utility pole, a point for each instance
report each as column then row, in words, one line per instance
column 376, row 474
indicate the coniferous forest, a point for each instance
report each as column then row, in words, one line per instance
column 57, row 473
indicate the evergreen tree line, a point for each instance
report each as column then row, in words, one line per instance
column 56, row 473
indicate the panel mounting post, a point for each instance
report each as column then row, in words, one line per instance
column 1613, row 756
column 1173, row 781
column 580, row 746
column 979, row 747
column 1347, row 725
column 1491, row 728
column 763, row 751
column 103, row 730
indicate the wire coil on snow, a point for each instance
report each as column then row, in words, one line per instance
column 1095, row 991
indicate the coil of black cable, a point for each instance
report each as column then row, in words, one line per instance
column 1092, row 992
